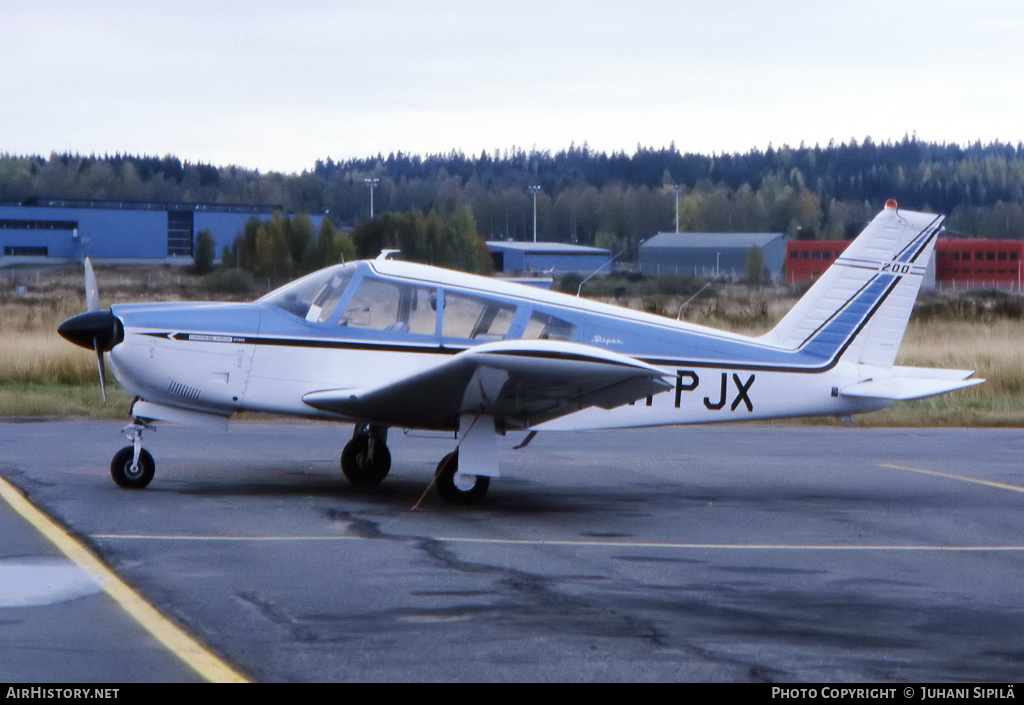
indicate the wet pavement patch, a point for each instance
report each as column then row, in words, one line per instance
column 34, row 581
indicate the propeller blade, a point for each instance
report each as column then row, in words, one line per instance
column 98, row 330
column 92, row 292
column 101, row 366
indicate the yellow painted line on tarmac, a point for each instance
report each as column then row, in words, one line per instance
column 962, row 478
column 188, row 537
column 577, row 543
column 194, row 654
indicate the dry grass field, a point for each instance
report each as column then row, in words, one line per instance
column 993, row 348
column 42, row 375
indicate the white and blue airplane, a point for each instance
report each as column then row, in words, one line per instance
column 391, row 344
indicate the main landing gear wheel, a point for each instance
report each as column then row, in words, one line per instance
column 357, row 465
column 128, row 477
column 464, row 489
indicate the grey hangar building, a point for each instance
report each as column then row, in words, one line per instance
column 116, row 232
column 712, row 254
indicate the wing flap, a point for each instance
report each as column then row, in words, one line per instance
column 518, row 382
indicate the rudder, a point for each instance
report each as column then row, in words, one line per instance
column 859, row 308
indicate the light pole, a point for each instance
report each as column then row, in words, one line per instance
column 372, row 183
column 677, row 189
column 535, row 189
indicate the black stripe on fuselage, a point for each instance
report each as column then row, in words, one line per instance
column 787, row 368
column 306, row 343
column 319, row 343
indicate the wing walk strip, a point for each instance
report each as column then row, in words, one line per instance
column 194, row 654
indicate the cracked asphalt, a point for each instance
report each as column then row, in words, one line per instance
column 742, row 553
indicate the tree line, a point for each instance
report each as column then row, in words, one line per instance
column 282, row 247
column 611, row 200
column 285, row 247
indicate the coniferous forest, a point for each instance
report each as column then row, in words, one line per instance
column 587, row 197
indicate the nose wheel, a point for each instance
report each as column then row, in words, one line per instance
column 130, row 473
column 132, row 467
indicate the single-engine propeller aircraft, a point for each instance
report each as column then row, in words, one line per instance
column 385, row 343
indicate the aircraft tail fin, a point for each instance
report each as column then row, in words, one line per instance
column 858, row 309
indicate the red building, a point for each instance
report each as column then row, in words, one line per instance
column 959, row 263
column 972, row 264
column 806, row 260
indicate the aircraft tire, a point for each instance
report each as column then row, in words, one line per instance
column 444, row 479
column 121, row 469
column 357, row 470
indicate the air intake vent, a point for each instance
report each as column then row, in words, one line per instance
column 183, row 390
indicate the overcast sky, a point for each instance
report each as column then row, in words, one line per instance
column 275, row 86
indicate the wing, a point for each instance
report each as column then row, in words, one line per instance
column 520, row 383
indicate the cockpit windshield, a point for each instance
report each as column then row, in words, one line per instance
column 378, row 303
column 314, row 296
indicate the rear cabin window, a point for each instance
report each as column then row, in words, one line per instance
column 544, row 327
column 384, row 305
column 475, row 318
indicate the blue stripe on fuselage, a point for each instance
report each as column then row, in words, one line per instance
column 655, row 344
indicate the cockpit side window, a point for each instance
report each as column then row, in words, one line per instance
column 384, row 305
column 475, row 318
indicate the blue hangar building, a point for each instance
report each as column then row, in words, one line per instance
column 43, row 231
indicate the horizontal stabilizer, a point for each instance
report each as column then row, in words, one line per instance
column 518, row 382
column 930, row 372
column 911, row 383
